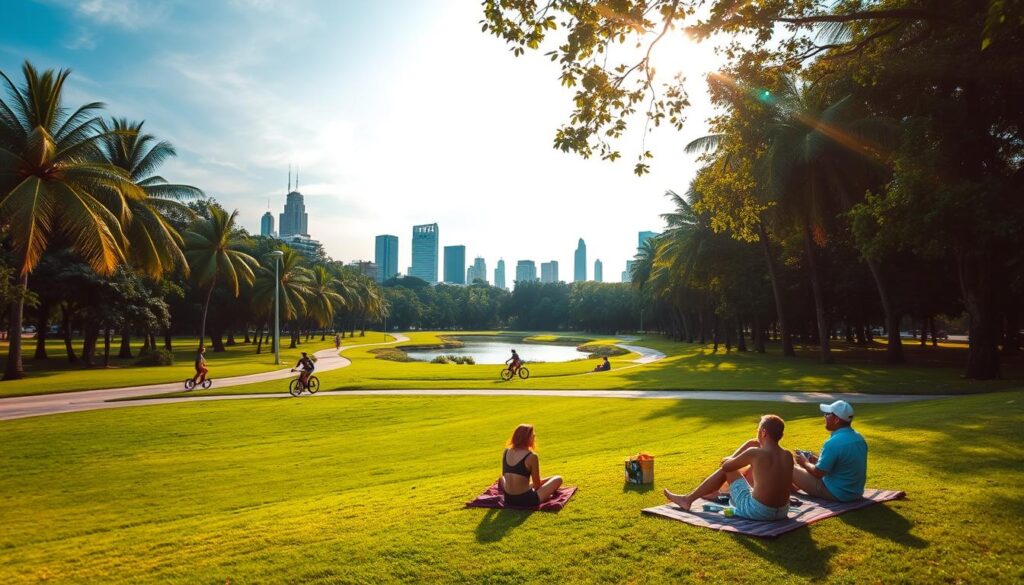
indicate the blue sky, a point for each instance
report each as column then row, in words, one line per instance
column 395, row 114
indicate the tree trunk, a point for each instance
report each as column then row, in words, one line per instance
column 15, row 369
column 231, row 339
column 741, row 341
column 758, row 334
column 787, row 338
column 42, row 325
column 126, row 344
column 924, row 331
column 979, row 299
column 247, row 339
column 715, row 333
column 206, row 307
column 894, row 345
column 217, row 340
column 1011, row 341
column 92, row 334
column 825, row 352
column 106, row 347
column 65, row 325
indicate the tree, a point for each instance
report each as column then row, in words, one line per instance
column 52, row 173
column 323, row 297
column 214, row 253
column 293, row 284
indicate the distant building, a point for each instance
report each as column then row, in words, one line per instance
column 424, row 252
column 478, row 271
column 526, row 271
column 267, row 225
column 598, row 270
column 627, row 274
column 365, row 267
column 579, row 272
column 455, row 264
column 386, row 256
column 499, row 274
column 549, row 272
column 304, row 245
column 643, row 237
column 294, row 221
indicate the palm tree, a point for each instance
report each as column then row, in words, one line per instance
column 213, row 250
column 293, row 282
column 154, row 245
column 51, row 173
column 323, row 297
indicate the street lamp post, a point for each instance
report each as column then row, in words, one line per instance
column 277, row 254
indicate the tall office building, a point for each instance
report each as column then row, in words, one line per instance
column 478, row 271
column 627, row 274
column 526, row 271
column 598, row 270
column 294, row 221
column 267, row 225
column 643, row 237
column 579, row 273
column 455, row 264
column 386, row 257
column 424, row 252
column 364, row 267
column 499, row 274
column 549, row 271
column 305, row 245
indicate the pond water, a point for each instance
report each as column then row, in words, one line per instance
column 495, row 350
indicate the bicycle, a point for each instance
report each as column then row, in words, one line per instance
column 190, row 383
column 507, row 373
column 312, row 385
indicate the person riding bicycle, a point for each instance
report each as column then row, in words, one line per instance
column 305, row 366
column 200, row 366
column 514, row 362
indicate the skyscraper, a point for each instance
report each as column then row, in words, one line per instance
column 455, row 264
column 499, row 274
column 627, row 274
column 294, row 220
column 549, row 271
column 526, row 271
column 478, row 271
column 579, row 273
column 598, row 270
column 386, row 257
column 643, row 237
column 424, row 252
column 267, row 225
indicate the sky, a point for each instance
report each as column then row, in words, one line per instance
column 394, row 114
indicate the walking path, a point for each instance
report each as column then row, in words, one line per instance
column 25, row 406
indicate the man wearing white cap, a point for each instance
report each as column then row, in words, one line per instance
column 840, row 471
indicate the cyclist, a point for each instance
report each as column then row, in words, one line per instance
column 514, row 362
column 306, row 367
column 200, row 366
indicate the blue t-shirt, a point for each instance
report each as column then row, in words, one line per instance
column 844, row 459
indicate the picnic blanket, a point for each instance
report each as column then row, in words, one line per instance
column 810, row 511
column 494, row 498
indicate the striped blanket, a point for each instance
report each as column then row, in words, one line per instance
column 810, row 511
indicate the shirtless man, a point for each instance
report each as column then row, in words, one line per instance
column 762, row 491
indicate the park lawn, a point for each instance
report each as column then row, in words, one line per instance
column 57, row 375
column 358, row 489
column 686, row 367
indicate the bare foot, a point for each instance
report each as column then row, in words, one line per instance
column 678, row 500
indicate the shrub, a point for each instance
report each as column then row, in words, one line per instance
column 454, row 359
column 391, row 354
column 442, row 359
column 157, row 357
column 600, row 350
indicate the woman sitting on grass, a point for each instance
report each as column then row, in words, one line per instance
column 519, row 464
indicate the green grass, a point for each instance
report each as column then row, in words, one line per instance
column 57, row 375
column 687, row 367
column 370, row 489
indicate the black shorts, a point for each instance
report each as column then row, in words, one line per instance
column 527, row 499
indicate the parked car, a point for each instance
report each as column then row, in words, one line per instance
column 28, row 329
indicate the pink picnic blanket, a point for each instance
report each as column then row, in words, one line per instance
column 810, row 510
column 494, row 498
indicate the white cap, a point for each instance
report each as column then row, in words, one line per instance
column 840, row 408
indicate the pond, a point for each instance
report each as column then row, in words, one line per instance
column 487, row 349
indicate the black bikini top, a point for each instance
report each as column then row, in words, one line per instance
column 518, row 469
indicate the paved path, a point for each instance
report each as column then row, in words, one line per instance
column 25, row 406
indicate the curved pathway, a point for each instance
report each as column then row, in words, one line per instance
column 25, row 406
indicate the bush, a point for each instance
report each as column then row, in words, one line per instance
column 454, row 359
column 157, row 357
column 600, row 350
column 391, row 354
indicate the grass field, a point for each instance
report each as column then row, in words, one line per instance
column 58, row 375
column 370, row 489
column 687, row 367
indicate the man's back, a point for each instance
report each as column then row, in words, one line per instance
column 773, row 475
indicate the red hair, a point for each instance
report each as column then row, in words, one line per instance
column 523, row 438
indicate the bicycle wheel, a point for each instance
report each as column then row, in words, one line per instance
column 506, row 374
column 524, row 373
column 207, row 383
column 295, row 388
column 313, row 385
column 189, row 384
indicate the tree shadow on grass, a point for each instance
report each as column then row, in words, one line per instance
column 636, row 488
column 882, row 521
column 796, row 552
column 496, row 524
